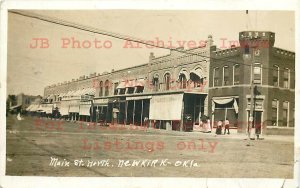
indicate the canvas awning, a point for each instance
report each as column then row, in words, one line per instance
column 225, row 100
column 74, row 108
column 140, row 82
column 122, row 85
column 29, row 107
column 64, row 110
column 166, row 107
column 34, row 107
column 130, row 83
column 16, row 106
column 85, row 110
column 47, row 108
column 197, row 72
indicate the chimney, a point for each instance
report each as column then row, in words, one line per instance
column 151, row 56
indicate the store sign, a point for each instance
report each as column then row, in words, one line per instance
column 258, row 104
column 86, row 97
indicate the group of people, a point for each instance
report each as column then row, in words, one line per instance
column 222, row 124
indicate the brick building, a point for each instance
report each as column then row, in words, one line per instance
column 131, row 95
column 272, row 71
column 194, row 82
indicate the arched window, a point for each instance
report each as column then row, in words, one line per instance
column 106, row 85
column 196, row 77
column 167, row 81
column 101, row 88
column 183, row 81
column 155, row 82
column 275, row 75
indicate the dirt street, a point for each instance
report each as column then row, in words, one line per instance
column 44, row 147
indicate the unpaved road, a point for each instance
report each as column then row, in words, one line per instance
column 102, row 151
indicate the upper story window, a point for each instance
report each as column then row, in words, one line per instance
column 183, row 81
column 286, row 78
column 236, row 74
column 257, row 73
column 225, row 76
column 155, row 83
column 106, row 85
column 247, row 49
column 216, row 76
column 101, row 89
column 167, row 81
column 275, row 75
column 116, row 88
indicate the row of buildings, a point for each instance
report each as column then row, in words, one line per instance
column 199, row 82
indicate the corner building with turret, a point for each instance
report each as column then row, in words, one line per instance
column 178, row 90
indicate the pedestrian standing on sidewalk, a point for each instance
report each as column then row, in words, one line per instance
column 219, row 127
column 226, row 123
column 209, row 128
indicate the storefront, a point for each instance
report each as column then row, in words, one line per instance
column 137, row 110
column 225, row 108
column 100, row 110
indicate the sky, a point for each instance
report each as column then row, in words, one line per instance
column 31, row 69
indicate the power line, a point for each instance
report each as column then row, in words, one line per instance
column 121, row 36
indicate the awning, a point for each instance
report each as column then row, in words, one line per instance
column 138, row 98
column 64, row 110
column 90, row 91
column 225, row 100
column 121, row 85
column 166, row 107
column 85, row 110
column 48, row 110
column 130, row 83
column 34, row 107
column 140, row 82
column 197, row 72
column 29, row 107
column 74, row 108
column 16, row 106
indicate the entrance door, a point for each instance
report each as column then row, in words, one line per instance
column 257, row 121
